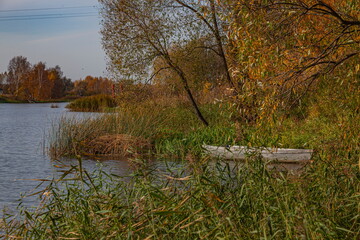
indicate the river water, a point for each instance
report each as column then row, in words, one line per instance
column 23, row 130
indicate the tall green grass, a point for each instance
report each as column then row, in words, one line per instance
column 201, row 200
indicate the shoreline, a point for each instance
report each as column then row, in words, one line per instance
column 14, row 101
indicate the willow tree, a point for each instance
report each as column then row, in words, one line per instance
column 136, row 32
column 284, row 48
column 211, row 14
column 203, row 67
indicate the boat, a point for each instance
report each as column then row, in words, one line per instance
column 281, row 155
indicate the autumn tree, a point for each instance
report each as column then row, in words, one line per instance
column 93, row 85
column 37, row 82
column 98, row 85
column 57, row 82
column 283, row 48
column 135, row 33
column 45, row 83
column 3, row 77
column 211, row 15
column 18, row 68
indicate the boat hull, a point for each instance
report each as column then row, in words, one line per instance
column 282, row 155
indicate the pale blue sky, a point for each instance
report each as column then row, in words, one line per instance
column 53, row 35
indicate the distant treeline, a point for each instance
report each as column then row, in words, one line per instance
column 92, row 86
column 27, row 82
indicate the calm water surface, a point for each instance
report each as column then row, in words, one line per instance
column 23, row 128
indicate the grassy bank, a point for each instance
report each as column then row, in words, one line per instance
column 202, row 199
column 175, row 131
column 191, row 197
column 4, row 99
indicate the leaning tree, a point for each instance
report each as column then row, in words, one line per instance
column 138, row 32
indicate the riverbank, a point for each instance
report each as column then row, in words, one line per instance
column 4, row 99
column 194, row 197
column 175, row 132
column 10, row 99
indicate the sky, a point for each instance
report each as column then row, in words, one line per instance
column 57, row 32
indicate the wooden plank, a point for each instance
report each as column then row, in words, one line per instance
column 282, row 155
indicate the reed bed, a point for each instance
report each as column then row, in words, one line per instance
column 96, row 103
column 138, row 129
column 75, row 136
column 200, row 200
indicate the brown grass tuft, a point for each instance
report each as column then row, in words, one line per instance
column 118, row 144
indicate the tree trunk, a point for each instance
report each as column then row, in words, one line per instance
column 220, row 45
column 192, row 100
column 184, row 80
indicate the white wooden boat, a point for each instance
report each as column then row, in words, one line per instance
column 281, row 155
